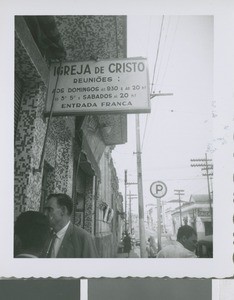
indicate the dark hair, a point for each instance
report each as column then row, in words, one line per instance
column 33, row 229
column 186, row 231
column 63, row 200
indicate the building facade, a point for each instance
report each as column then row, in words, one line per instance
column 67, row 154
column 196, row 213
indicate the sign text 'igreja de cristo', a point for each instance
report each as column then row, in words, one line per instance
column 111, row 86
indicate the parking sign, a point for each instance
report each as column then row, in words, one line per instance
column 158, row 189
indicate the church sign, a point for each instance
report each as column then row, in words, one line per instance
column 107, row 86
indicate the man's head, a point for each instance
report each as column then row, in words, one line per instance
column 187, row 236
column 58, row 209
column 31, row 230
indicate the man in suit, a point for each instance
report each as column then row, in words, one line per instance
column 68, row 241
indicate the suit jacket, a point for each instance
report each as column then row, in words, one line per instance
column 77, row 243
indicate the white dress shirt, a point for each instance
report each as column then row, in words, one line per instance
column 58, row 241
column 175, row 250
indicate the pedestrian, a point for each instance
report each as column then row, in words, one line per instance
column 151, row 247
column 184, row 247
column 127, row 243
column 31, row 231
column 68, row 240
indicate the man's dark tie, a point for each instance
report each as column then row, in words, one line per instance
column 49, row 251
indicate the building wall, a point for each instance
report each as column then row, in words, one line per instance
column 27, row 150
column 84, row 38
column 89, row 205
column 104, row 235
column 29, row 140
column 109, row 231
column 193, row 219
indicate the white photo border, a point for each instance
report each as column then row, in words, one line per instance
column 221, row 265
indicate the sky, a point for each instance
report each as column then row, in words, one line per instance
column 179, row 50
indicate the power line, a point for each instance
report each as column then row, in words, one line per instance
column 150, row 22
column 170, row 51
column 177, row 179
column 152, row 84
column 162, row 56
column 173, row 167
column 154, row 72
column 157, row 53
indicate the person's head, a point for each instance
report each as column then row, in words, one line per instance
column 31, row 231
column 58, row 209
column 187, row 236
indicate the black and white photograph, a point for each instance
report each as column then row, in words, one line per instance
column 121, row 139
column 74, row 143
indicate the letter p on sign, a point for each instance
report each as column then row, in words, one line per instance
column 158, row 189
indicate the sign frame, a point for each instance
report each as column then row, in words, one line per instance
column 128, row 87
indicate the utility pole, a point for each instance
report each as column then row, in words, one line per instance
column 125, row 198
column 139, row 182
column 126, row 183
column 163, row 217
column 159, row 223
column 131, row 196
column 207, row 166
column 179, row 193
column 140, row 191
column 130, row 214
